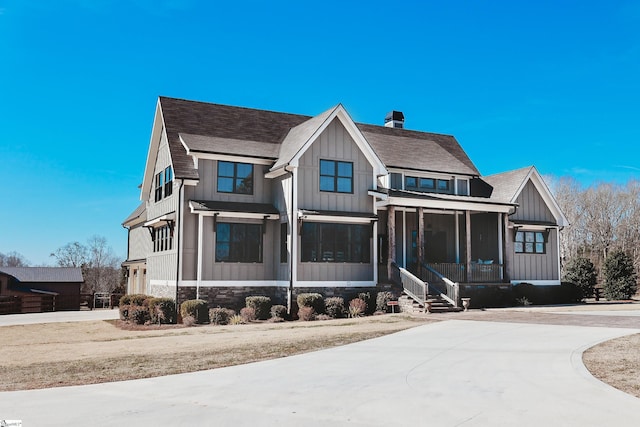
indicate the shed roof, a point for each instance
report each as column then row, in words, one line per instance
column 44, row 274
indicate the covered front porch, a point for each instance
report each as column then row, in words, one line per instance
column 463, row 246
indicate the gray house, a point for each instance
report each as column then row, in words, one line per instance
column 238, row 202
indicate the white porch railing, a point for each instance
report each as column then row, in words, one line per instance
column 412, row 285
column 449, row 290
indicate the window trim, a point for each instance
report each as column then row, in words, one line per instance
column 336, row 176
column 234, row 178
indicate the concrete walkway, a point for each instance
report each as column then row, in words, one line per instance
column 449, row 373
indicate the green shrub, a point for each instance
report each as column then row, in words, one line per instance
column 261, row 305
column 125, row 300
column 220, row 316
column 139, row 314
column 382, row 299
column 278, row 311
column 306, row 313
column 571, row 293
column 620, row 281
column 334, row 307
column 313, row 300
column 134, row 302
column 138, row 299
column 248, row 314
column 124, row 312
column 195, row 308
column 162, row 310
column 369, row 301
column 357, row 307
column 581, row 272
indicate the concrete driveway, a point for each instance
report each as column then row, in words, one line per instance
column 449, row 373
column 58, row 316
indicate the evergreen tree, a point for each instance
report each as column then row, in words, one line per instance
column 620, row 280
column 581, row 272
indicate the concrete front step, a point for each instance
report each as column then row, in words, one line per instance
column 438, row 305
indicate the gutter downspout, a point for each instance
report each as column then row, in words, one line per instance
column 177, row 229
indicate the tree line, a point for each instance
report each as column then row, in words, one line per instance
column 100, row 266
column 604, row 226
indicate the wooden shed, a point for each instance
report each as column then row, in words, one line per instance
column 37, row 289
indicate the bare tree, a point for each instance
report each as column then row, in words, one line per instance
column 73, row 254
column 13, row 259
column 104, row 267
column 100, row 266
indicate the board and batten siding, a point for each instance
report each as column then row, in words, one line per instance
column 139, row 243
column 529, row 267
column 334, row 143
column 237, row 271
column 167, row 204
column 531, row 206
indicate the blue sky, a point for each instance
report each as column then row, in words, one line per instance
column 550, row 83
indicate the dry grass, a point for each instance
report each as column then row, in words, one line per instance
column 62, row 354
column 617, row 363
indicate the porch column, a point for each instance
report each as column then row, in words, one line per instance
column 200, row 239
column 420, row 239
column 391, row 233
column 508, row 247
column 468, row 236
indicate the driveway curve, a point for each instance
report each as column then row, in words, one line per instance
column 450, row 373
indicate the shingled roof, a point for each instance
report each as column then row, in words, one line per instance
column 221, row 121
column 44, row 274
column 210, row 128
column 506, row 185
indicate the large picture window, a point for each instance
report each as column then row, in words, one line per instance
column 324, row 242
column 235, row 178
column 530, row 242
column 238, row 242
column 336, row 177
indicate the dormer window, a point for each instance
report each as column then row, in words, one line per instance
column 427, row 185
